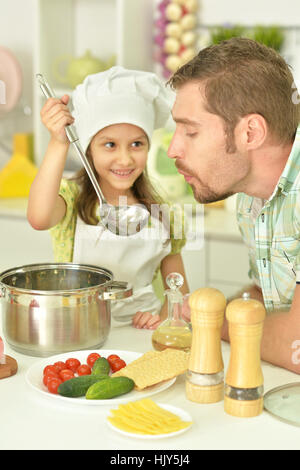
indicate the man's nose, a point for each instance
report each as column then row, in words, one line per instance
column 175, row 148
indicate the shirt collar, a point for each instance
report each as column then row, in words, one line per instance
column 286, row 180
column 291, row 169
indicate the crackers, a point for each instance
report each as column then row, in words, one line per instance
column 154, row 367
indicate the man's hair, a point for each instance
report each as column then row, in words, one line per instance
column 242, row 77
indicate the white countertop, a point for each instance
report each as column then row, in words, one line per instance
column 31, row 421
column 13, row 207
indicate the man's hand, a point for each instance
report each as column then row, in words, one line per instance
column 186, row 311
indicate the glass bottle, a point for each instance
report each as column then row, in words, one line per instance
column 174, row 332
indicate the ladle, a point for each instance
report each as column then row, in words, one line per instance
column 122, row 220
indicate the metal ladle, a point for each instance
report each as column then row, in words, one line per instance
column 121, row 220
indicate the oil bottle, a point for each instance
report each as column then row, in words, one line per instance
column 174, row 332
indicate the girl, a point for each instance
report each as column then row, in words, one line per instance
column 115, row 113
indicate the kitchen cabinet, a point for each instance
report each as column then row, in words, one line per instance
column 226, row 265
column 226, row 255
column 68, row 28
column 21, row 244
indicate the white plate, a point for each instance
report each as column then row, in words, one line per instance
column 177, row 411
column 34, row 378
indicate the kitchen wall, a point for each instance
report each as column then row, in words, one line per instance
column 266, row 12
column 256, row 11
column 17, row 33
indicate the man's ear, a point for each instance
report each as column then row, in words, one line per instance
column 252, row 131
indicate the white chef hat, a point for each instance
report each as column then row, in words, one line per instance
column 120, row 96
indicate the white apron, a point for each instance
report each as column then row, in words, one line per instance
column 133, row 259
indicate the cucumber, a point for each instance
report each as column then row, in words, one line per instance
column 110, row 387
column 101, row 367
column 78, row 386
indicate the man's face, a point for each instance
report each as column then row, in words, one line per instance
column 199, row 146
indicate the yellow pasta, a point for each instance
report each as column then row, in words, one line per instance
column 146, row 417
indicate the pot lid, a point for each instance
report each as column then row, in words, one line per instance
column 284, row 403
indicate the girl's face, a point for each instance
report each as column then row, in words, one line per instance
column 119, row 154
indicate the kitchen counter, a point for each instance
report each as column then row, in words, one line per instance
column 32, row 421
column 14, row 207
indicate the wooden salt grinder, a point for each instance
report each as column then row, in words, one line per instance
column 244, row 378
column 205, row 376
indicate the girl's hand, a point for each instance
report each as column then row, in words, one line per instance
column 55, row 116
column 146, row 320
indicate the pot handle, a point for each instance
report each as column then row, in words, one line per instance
column 118, row 290
column 2, row 291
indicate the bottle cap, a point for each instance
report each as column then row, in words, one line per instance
column 245, row 311
column 207, row 299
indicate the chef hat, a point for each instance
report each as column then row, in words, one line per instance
column 120, row 96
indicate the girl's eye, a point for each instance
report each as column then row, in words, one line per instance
column 110, row 145
column 137, row 144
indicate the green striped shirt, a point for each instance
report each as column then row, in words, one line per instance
column 271, row 231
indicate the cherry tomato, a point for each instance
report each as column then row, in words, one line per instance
column 72, row 364
column 92, row 358
column 49, row 374
column 117, row 365
column 66, row 374
column 60, row 366
column 84, row 369
column 48, row 368
column 112, row 358
column 53, row 385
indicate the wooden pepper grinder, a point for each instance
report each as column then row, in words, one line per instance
column 244, row 378
column 205, row 376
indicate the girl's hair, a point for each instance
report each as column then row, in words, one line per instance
column 243, row 77
column 87, row 198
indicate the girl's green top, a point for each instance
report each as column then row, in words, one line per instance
column 63, row 233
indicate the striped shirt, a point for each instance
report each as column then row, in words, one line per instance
column 271, row 231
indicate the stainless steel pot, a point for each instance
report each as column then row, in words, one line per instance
column 53, row 308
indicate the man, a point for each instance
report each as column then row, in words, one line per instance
column 237, row 132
